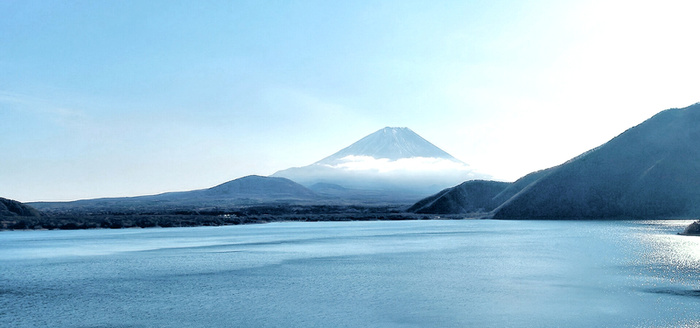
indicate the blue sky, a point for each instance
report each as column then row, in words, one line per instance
column 119, row 98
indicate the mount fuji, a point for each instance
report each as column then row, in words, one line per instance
column 393, row 159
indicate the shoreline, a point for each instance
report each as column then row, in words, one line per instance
column 111, row 221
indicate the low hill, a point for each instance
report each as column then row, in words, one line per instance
column 258, row 187
column 476, row 196
column 11, row 208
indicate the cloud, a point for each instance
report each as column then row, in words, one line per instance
column 58, row 111
column 403, row 165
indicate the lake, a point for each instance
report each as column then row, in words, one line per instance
column 465, row 273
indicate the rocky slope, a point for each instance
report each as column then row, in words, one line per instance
column 692, row 230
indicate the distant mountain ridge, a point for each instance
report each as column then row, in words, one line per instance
column 405, row 169
column 252, row 189
column 393, row 159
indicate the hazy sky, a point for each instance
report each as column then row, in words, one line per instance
column 116, row 98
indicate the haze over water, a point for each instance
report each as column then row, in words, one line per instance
column 355, row 274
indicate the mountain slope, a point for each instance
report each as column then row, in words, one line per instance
column 472, row 197
column 649, row 171
column 391, row 159
column 475, row 196
column 12, row 208
column 519, row 186
column 392, row 143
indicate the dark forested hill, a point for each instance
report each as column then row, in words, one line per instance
column 12, row 208
column 476, row 196
column 651, row 170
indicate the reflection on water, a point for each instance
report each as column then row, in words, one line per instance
column 675, row 291
column 355, row 274
column 669, row 262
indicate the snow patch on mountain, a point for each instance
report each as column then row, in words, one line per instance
column 392, row 143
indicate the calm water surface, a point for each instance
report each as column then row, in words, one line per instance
column 355, row 274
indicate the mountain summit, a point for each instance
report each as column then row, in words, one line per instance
column 393, row 144
column 391, row 159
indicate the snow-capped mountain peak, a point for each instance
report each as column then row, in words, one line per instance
column 391, row 143
column 391, row 158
